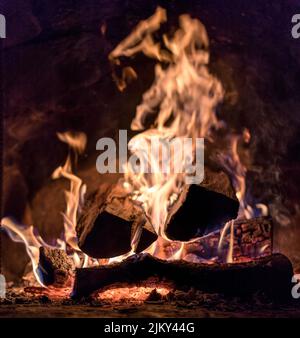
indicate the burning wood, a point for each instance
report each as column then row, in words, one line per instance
column 159, row 211
column 270, row 275
column 152, row 289
column 202, row 208
column 111, row 224
column 55, row 267
column 251, row 239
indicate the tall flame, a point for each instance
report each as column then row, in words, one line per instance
column 184, row 94
column 75, row 196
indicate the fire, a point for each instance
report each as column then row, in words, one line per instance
column 183, row 92
column 237, row 171
column 25, row 234
column 74, row 200
column 75, row 196
column 185, row 96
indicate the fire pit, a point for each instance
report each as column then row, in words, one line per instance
column 167, row 213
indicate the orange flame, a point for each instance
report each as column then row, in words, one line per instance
column 25, row 234
column 185, row 95
column 75, row 196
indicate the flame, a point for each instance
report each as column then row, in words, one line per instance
column 183, row 92
column 185, row 96
column 74, row 200
column 237, row 171
column 25, row 234
column 75, row 196
column 230, row 250
column 222, row 235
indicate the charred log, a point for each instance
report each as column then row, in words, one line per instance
column 110, row 222
column 202, row 208
column 112, row 233
column 55, row 267
column 270, row 275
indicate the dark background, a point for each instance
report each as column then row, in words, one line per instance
column 56, row 77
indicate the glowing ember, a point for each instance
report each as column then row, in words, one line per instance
column 51, row 292
column 134, row 293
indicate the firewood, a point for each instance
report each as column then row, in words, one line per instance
column 203, row 208
column 270, row 275
column 251, row 239
column 55, row 267
column 109, row 222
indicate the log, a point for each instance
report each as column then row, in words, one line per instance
column 251, row 239
column 270, row 275
column 55, row 268
column 109, row 222
column 201, row 209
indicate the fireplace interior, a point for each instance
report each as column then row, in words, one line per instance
column 79, row 243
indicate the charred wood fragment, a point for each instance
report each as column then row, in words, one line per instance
column 55, row 267
column 201, row 209
column 109, row 222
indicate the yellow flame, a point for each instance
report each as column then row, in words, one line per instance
column 74, row 199
column 231, row 241
column 185, row 93
column 75, row 195
column 24, row 234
